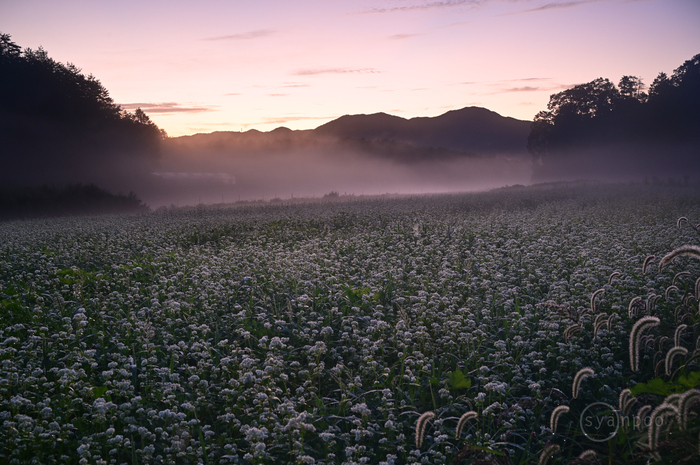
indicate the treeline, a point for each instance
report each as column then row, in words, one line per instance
column 622, row 127
column 58, row 125
column 72, row 199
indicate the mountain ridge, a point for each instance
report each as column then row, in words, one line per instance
column 469, row 131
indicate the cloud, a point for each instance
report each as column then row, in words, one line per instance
column 277, row 95
column 314, row 71
column 424, row 6
column 295, row 84
column 403, row 36
column 549, row 88
column 245, row 35
column 287, row 119
column 554, row 6
column 165, row 107
column 522, row 89
column 530, row 79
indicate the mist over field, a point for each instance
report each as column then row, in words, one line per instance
column 214, row 174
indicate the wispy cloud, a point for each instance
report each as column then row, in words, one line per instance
column 295, row 84
column 545, row 88
column 530, row 79
column 554, row 6
column 521, row 89
column 314, row 71
column 166, row 107
column 277, row 95
column 424, row 6
column 287, row 119
column 245, row 35
column 403, row 36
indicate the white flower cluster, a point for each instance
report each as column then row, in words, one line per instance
column 319, row 332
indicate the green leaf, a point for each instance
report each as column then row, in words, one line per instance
column 99, row 391
column 690, row 381
column 459, row 381
column 655, row 386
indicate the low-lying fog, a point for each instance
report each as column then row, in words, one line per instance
column 216, row 176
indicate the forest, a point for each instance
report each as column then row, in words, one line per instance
column 59, row 126
column 600, row 126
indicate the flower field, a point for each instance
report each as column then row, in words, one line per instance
column 432, row 329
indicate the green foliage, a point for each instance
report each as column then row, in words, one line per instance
column 665, row 388
column 458, row 380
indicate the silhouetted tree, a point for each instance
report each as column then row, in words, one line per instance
column 58, row 125
column 597, row 116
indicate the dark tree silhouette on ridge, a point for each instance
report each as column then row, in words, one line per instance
column 623, row 126
column 58, row 125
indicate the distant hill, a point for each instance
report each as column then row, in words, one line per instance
column 467, row 149
column 473, row 130
column 468, row 132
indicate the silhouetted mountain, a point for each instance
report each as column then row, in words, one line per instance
column 472, row 130
column 466, row 149
column 467, row 132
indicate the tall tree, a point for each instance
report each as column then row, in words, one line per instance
column 58, row 125
column 623, row 126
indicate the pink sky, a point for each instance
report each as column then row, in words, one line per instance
column 234, row 65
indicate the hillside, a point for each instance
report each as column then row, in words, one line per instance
column 466, row 132
column 471, row 129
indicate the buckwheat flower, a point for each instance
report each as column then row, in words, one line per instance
column 46, row 412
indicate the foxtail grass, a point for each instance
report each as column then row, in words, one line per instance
column 421, row 426
column 683, row 251
column 554, row 418
column 582, row 374
column 635, row 338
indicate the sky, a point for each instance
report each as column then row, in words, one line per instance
column 216, row 65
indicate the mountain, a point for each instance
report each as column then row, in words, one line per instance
column 467, row 149
column 472, row 129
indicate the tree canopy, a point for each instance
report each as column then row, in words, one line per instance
column 599, row 114
column 58, row 125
